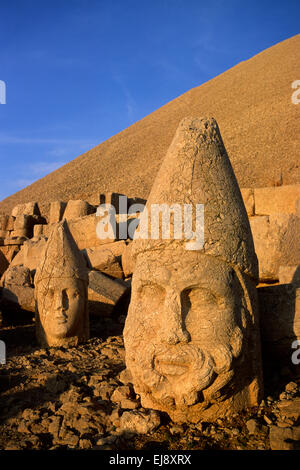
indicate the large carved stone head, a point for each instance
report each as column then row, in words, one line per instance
column 61, row 284
column 191, row 335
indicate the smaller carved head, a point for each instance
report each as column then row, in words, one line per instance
column 61, row 291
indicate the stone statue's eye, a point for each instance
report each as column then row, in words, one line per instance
column 153, row 295
column 197, row 296
column 51, row 292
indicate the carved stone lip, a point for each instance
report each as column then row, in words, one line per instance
column 171, row 368
column 171, row 364
column 60, row 318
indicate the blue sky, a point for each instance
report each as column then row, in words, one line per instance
column 79, row 71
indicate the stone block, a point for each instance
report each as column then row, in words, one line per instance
column 3, row 263
column 127, row 261
column 19, row 297
column 17, row 290
column 31, row 254
column 105, row 294
column 277, row 242
column 57, row 209
column 118, row 201
column 277, row 200
column 106, row 258
column 248, row 198
column 14, row 240
column 77, row 209
column 7, row 222
column 290, row 275
column 4, row 234
column 21, row 233
column 38, row 230
column 84, row 232
column 107, row 287
column 10, row 252
column 279, row 322
column 29, row 208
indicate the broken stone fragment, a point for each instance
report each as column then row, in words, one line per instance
column 277, row 242
column 77, row 209
column 289, row 275
column 29, row 208
column 279, row 322
column 106, row 258
column 105, row 294
column 140, row 422
column 17, row 291
column 277, row 200
column 57, row 209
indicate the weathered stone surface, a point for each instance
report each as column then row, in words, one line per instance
column 139, row 422
column 290, row 408
column 277, row 242
column 118, row 201
column 31, row 254
column 77, row 209
column 248, row 198
column 61, row 283
column 57, row 209
column 106, row 258
column 124, row 397
column 84, row 232
column 9, row 252
column 279, row 321
column 3, row 263
column 6, row 222
column 289, row 275
column 18, row 275
column 128, row 261
column 29, row 208
column 19, row 297
column 23, row 221
column 284, row 438
column 109, row 288
column 191, row 334
column 4, row 234
column 17, row 290
column 38, row 230
column 276, row 200
column 17, row 241
column 252, row 426
column 21, row 233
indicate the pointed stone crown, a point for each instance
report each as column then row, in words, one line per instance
column 197, row 170
column 62, row 257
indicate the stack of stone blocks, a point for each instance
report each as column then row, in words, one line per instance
column 274, row 215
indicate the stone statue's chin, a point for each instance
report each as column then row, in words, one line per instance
column 182, row 374
column 62, row 326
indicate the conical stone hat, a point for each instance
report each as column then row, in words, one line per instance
column 62, row 257
column 197, row 170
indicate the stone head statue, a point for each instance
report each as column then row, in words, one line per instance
column 61, row 284
column 192, row 335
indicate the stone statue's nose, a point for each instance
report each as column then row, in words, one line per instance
column 58, row 300
column 172, row 329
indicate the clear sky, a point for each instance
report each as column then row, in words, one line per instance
column 79, row 71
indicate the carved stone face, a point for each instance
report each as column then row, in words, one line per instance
column 184, row 330
column 60, row 305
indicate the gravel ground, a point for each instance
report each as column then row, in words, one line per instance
column 77, row 398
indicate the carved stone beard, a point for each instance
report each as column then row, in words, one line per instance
column 179, row 350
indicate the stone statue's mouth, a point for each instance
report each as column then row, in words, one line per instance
column 175, row 368
column 60, row 318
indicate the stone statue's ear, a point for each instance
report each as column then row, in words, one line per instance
column 236, row 341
